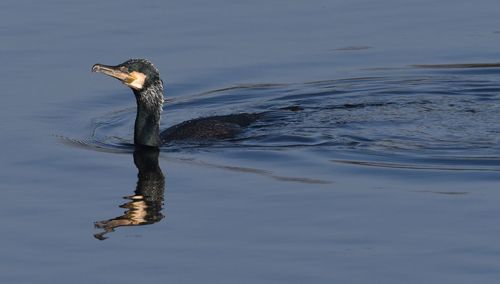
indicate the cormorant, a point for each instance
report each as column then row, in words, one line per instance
column 144, row 80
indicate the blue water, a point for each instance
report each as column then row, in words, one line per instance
column 376, row 161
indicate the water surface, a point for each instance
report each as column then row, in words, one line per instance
column 376, row 160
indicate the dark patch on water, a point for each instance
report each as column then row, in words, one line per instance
column 353, row 48
column 459, row 65
column 293, row 108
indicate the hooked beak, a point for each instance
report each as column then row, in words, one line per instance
column 134, row 79
column 113, row 71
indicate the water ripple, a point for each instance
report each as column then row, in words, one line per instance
column 448, row 120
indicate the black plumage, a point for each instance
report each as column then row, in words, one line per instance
column 144, row 80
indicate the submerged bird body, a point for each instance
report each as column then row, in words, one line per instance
column 209, row 128
column 144, row 80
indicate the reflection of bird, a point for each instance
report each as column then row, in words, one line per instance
column 144, row 80
column 146, row 204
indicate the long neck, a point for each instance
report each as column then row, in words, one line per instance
column 147, row 121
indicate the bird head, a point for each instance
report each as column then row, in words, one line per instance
column 137, row 74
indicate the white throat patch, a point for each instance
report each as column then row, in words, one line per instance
column 136, row 80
